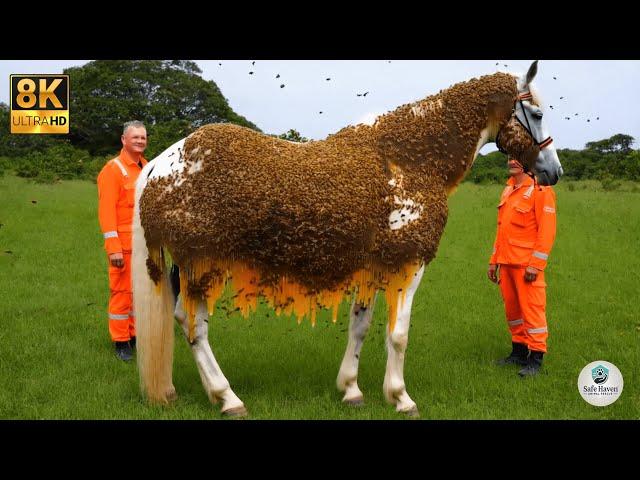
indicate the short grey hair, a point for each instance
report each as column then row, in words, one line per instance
column 132, row 124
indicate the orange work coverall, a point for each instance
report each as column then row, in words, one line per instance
column 526, row 231
column 116, row 188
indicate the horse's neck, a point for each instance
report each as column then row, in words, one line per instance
column 440, row 136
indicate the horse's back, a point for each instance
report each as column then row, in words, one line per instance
column 228, row 191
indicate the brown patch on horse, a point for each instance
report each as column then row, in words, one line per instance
column 519, row 143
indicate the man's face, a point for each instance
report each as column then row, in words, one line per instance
column 515, row 168
column 134, row 140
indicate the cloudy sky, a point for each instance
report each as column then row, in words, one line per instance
column 591, row 89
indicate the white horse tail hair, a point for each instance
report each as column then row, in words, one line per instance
column 153, row 306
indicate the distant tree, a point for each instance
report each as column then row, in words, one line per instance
column 619, row 143
column 107, row 93
column 632, row 165
column 293, row 136
column 163, row 135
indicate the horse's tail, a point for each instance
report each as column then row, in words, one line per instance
column 153, row 304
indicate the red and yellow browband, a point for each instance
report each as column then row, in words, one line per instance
column 545, row 143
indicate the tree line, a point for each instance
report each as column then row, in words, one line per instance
column 603, row 160
column 173, row 100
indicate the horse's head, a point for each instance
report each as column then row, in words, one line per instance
column 524, row 136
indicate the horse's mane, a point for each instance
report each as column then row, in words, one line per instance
column 432, row 104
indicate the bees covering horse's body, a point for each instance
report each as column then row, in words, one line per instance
column 303, row 225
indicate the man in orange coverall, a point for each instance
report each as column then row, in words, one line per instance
column 116, row 188
column 526, row 231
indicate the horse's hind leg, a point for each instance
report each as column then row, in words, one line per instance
column 394, row 388
column 213, row 380
column 359, row 321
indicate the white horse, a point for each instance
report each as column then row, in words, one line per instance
column 302, row 224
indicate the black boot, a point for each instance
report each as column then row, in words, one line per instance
column 123, row 351
column 533, row 365
column 518, row 356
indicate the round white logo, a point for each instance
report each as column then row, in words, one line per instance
column 600, row 383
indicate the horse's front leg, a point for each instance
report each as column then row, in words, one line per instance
column 215, row 383
column 359, row 322
column 394, row 388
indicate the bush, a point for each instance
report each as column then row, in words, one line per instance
column 631, row 165
column 61, row 161
column 491, row 168
column 92, row 167
column 46, row 177
column 487, row 176
column 27, row 170
column 609, row 183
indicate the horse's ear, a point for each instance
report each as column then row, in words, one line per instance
column 533, row 69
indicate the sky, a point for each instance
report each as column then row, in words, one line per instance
column 603, row 89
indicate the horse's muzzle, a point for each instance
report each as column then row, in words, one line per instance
column 546, row 177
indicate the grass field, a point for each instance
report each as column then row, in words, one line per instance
column 57, row 362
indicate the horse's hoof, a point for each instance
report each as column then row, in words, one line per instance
column 355, row 402
column 171, row 395
column 412, row 413
column 236, row 412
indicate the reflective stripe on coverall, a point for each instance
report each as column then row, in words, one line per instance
column 116, row 188
column 525, row 235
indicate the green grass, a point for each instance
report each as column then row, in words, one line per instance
column 56, row 359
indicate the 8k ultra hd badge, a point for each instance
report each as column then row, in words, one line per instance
column 40, row 103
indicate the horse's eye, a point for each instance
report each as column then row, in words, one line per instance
column 537, row 114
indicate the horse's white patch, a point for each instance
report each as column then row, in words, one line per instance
column 422, row 109
column 195, row 166
column 417, row 111
column 169, row 161
column 408, row 212
column 394, row 386
column 294, row 143
column 179, row 181
column 482, row 141
column 172, row 161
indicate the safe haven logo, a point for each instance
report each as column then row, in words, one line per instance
column 40, row 103
column 600, row 383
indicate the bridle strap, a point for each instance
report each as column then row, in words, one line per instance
column 522, row 97
column 545, row 143
column 498, row 143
